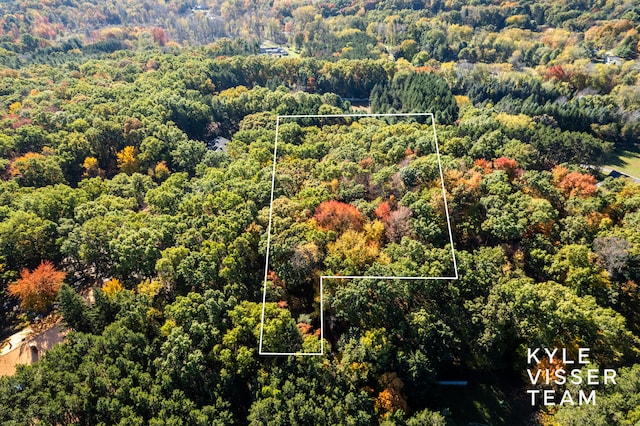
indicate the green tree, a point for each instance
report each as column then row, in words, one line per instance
column 73, row 309
column 33, row 169
column 617, row 404
column 26, row 239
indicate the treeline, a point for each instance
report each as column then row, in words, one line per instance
column 519, row 33
column 608, row 116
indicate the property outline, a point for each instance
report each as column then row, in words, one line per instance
column 323, row 277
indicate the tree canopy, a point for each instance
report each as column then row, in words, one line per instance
column 140, row 190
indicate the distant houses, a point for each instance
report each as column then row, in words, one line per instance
column 613, row 60
column 203, row 10
column 273, row 51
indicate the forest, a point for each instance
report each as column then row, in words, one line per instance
column 140, row 193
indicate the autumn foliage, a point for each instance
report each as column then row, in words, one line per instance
column 128, row 160
column 112, row 287
column 485, row 165
column 20, row 164
column 91, row 167
column 38, row 289
column 390, row 399
column 508, row 165
column 557, row 72
column 574, row 183
column 383, row 211
column 396, row 222
column 161, row 171
column 159, row 36
column 338, row 216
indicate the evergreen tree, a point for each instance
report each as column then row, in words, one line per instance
column 416, row 92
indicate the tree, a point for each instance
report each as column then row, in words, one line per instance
column 187, row 155
column 73, row 309
column 161, row 171
column 574, row 183
column 416, row 92
column 159, row 36
column 617, row 404
column 33, row 169
column 517, row 311
column 128, row 160
column 37, row 289
column 240, row 342
column 26, row 238
column 91, row 168
column 576, row 266
column 112, row 287
column 390, row 399
column 508, row 165
column 509, row 216
column 427, row 418
column 613, row 253
column 338, row 216
column 351, row 253
column 398, row 224
column 408, row 49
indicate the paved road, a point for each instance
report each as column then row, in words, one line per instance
column 608, row 170
column 15, row 340
column 26, row 346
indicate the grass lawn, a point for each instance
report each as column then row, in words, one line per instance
column 626, row 161
column 292, row 53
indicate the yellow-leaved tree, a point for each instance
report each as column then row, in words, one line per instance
column 91, row 167
column 128, row 160
column 112, row 287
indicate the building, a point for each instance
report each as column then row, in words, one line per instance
column 273, row 51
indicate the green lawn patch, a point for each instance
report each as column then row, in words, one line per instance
column 626, row 161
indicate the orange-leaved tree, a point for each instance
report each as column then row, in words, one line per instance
column 37, row 289
column 338, row 216
column 574, row 183
column 35, row 169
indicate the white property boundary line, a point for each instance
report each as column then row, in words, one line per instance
column 323, row 277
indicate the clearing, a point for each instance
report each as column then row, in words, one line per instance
column 626, row 161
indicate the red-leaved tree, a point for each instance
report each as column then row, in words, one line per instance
column 37, row 290
column 159, row 36
column 338, row 216
column 557, row 72
column 508, row 165
column 383, row 211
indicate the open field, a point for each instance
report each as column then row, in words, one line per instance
column 626, row 161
